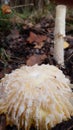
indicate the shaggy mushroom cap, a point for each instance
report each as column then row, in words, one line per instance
column 37, row 95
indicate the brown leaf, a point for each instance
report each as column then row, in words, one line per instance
column 36, row 59
column 6, row 9
column 36, row 38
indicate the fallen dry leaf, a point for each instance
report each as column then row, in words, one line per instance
column 36, row 38
column 66, row 45
column 36, row 59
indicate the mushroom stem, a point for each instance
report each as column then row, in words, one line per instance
column 59, row 34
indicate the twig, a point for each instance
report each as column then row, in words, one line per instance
column 19, row 6
column 69, row 57
column 4, row 19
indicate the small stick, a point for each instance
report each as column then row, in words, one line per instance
column 19, row 6
column 4, row 19
column 59, row 34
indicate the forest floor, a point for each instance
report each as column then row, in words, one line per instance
column 31, row 44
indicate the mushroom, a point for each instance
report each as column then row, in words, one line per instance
column 39, row 95
column 59, row 32
column 36, row 95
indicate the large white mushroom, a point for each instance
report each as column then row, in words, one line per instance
column 37, row 95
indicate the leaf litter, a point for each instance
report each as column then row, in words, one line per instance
column 34, row 45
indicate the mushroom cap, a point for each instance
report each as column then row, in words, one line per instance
column 37, row 95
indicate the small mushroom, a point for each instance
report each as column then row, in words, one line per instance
column 59, row 34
